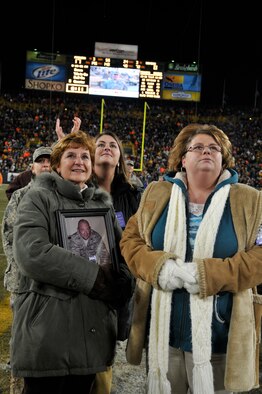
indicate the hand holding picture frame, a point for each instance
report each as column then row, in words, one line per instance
column 88, row 233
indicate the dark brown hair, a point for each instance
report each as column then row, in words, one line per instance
column 121, row 169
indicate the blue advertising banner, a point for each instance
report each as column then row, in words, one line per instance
column 45, row 71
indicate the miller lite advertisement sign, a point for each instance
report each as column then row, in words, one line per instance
column 45, row 71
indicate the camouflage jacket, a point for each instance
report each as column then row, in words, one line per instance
column 11, row 276
column 94, row 250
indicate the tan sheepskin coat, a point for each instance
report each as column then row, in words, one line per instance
column 239, row 274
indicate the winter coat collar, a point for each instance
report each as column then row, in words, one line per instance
column 54, row 182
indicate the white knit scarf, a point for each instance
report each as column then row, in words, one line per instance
column 201, row 309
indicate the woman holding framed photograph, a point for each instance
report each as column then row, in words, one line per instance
column 65, row 312
column 110, row 173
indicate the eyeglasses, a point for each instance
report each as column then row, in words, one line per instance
column 199, row 148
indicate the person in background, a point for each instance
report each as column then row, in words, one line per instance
column 23, row 178
column 18, row 181
column 194, row 242
column 88, row 243
column 110, row 173
column 41, row 163
column 132, row 176
column 65, row 309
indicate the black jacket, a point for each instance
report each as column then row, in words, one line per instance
column 126, row 198
column 18, row 182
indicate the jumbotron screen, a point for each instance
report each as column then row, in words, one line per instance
column 114, row 81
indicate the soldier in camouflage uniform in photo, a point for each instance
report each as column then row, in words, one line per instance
column 89, row 244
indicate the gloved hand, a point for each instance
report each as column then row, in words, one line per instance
column 173, row 274
column 192, row 288
column 112, row 287
column 103, row 284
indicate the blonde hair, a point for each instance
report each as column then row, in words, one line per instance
column 181, row 144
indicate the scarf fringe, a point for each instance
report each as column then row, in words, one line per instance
column 203, row 379
column 157, row 383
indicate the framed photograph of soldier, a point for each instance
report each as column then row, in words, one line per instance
column 88, row 233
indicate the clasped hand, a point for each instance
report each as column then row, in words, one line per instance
column 112, row 287
column 176, row 274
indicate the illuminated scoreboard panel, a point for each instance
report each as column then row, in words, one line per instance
column 150, row 74
column 78, row 76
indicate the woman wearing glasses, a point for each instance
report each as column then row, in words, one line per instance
column 194, row 245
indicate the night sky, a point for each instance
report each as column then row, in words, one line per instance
column 226, row 43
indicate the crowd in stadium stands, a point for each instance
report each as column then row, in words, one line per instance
column 27, row 120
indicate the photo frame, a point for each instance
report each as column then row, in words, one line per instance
column 97, row 247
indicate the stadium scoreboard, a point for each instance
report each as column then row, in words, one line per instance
column 149, row 75
column 106, row 76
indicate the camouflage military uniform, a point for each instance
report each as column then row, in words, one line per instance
column 11, row 277
column 94, row 250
